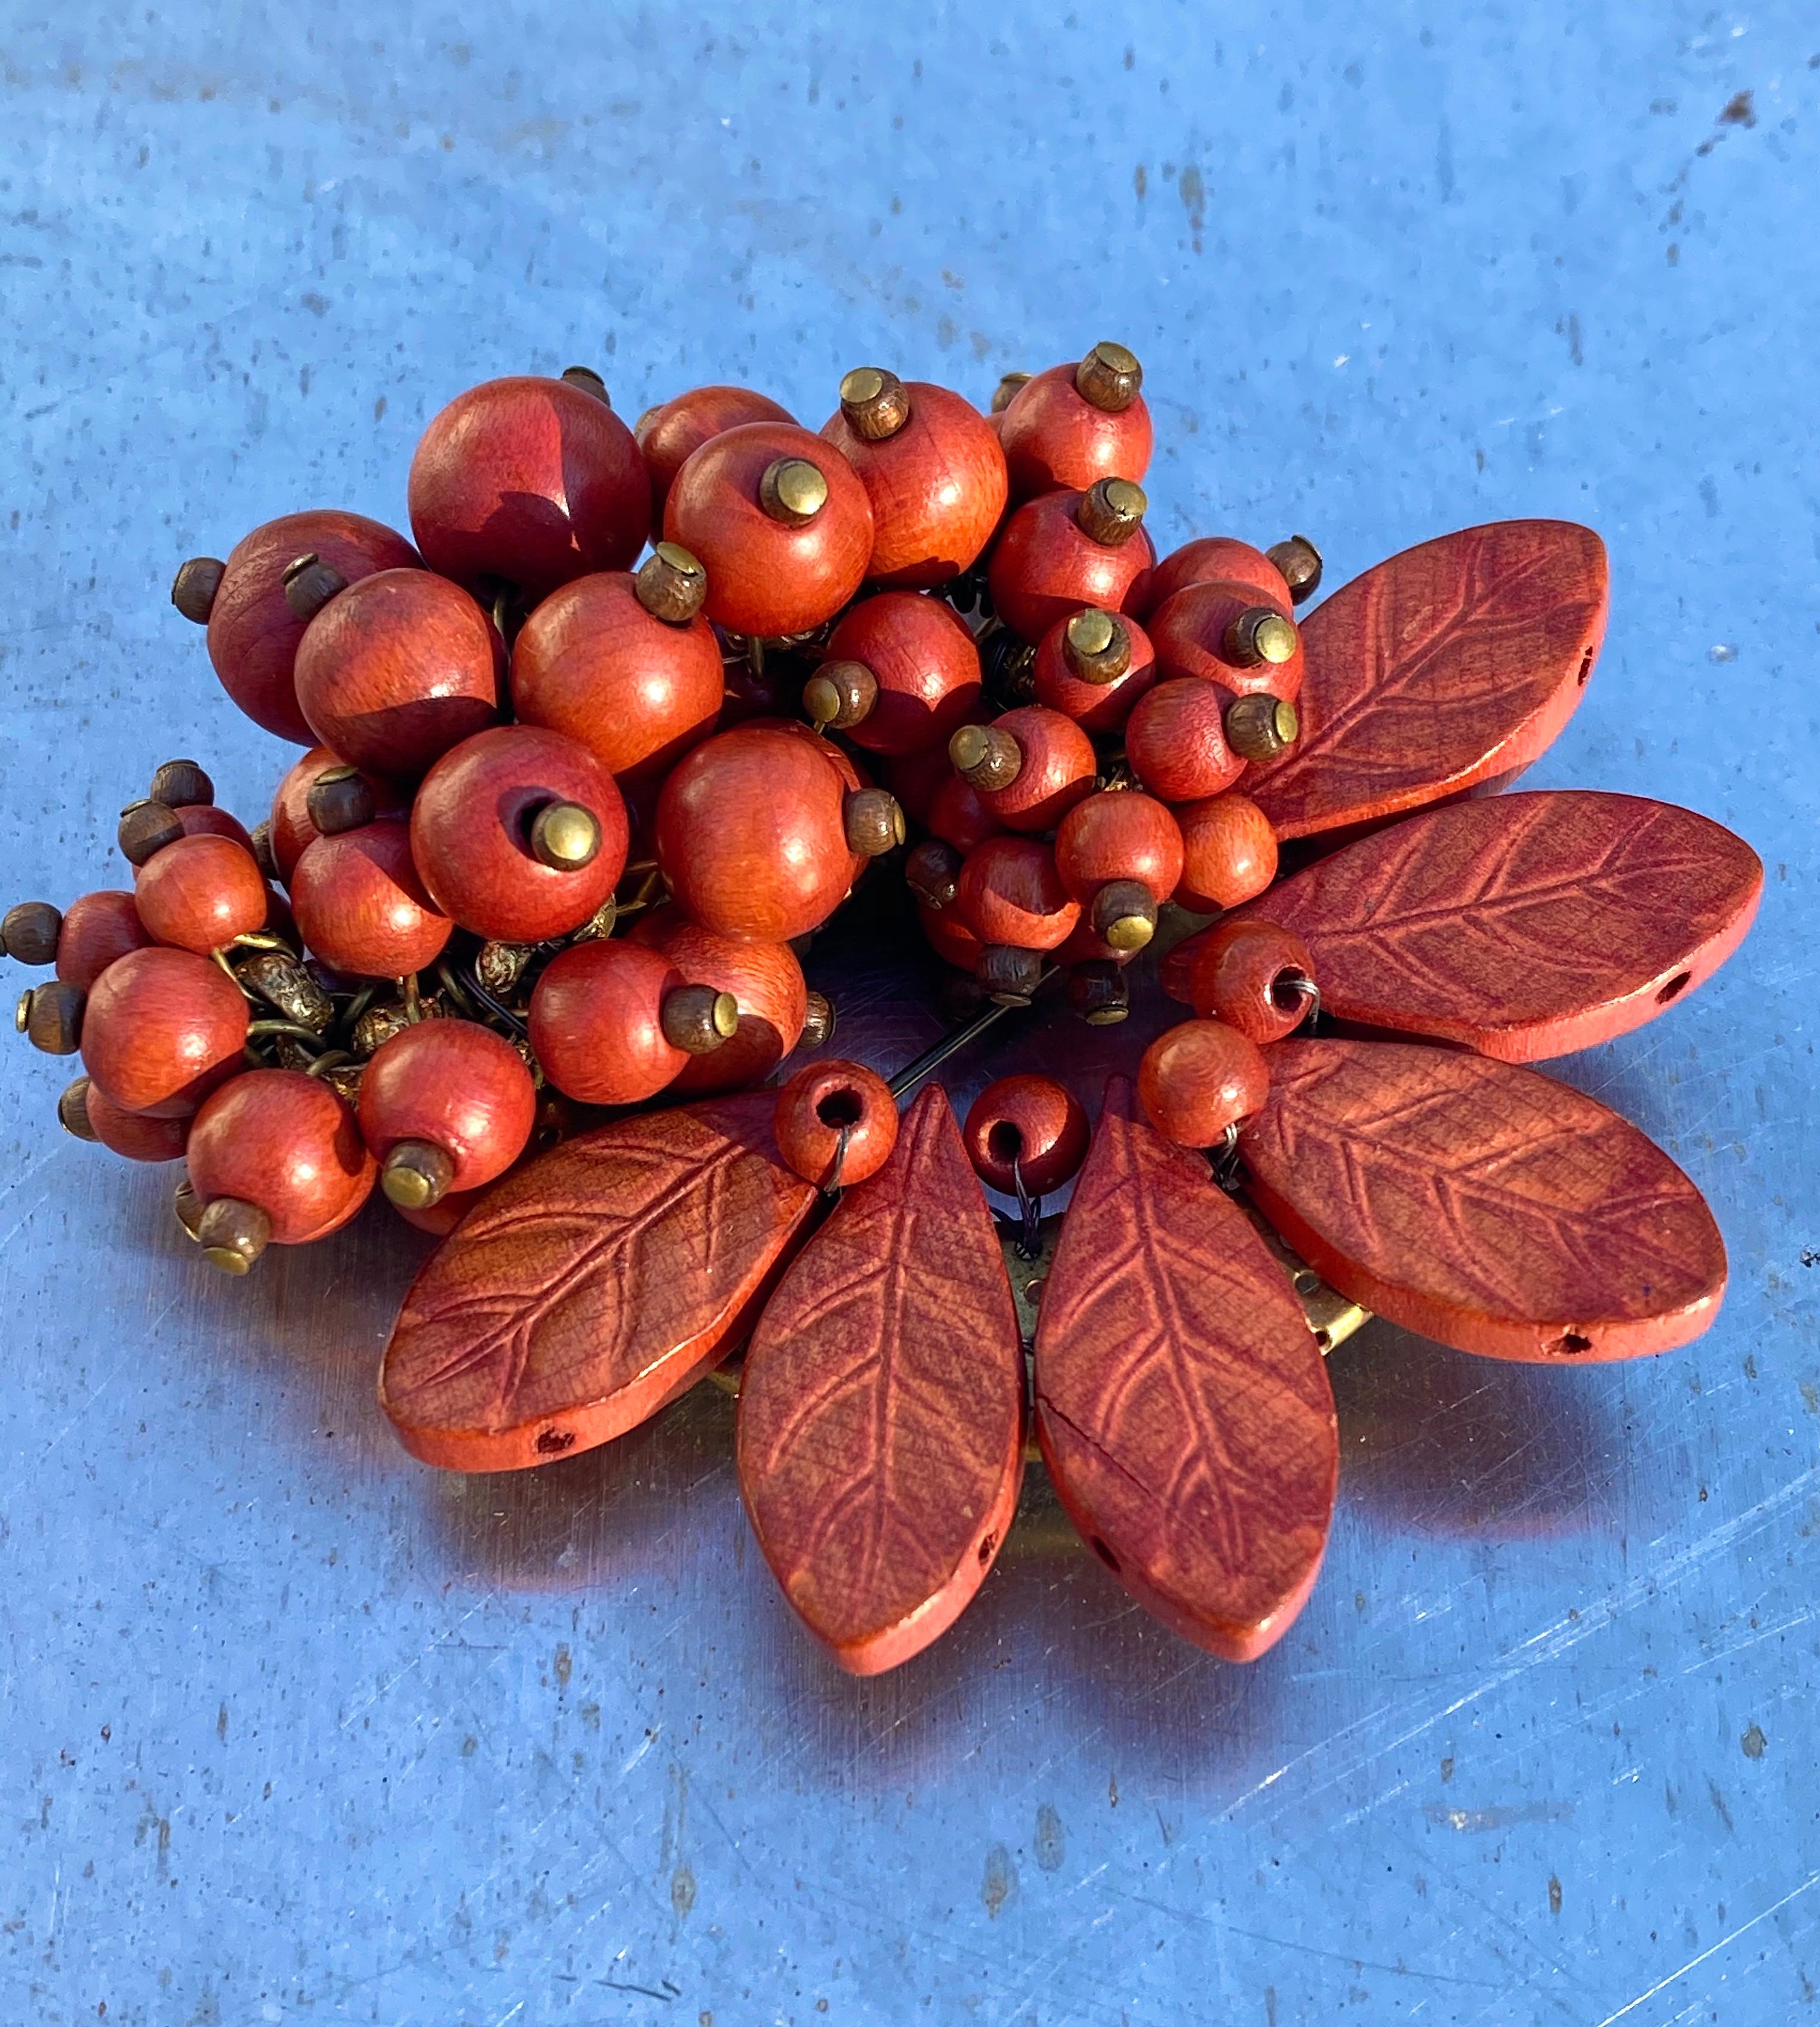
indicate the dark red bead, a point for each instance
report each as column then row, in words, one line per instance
column 1031, row 1121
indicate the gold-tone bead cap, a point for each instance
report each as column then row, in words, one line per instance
column 875, row 403
column 588, row 381
column 1109, row 377
column 565, row 836
column 1007, row 391
column 793, row 491
column 1259, row 727
column 1300, row 562
column 417, row 1175
column 671, row 585
column 1112, row 510
column 1097, row 646
column 1261, row 634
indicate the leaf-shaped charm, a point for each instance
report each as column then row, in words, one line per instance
column 1484, row 1205
column 591, row 1287
column 881, row 1409
column 1522, row 926
column 1181, row 1406
column 1456, row 661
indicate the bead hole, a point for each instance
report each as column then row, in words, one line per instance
column 1106, row 1555
column 985, row 1549
column 1674, row 988
column 1570, row 1344
column 1585, row 668
column 1285, row 990
column 1004, row 1144
column 840, row 1108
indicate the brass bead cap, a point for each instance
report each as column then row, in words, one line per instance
column 875, row 403
column 1124, row 914
column 233, row 1234
column 986, row 756
column 588, row 381
column 698, row 1019
column 1109, row 377
column 1260, row 634
column 193, row 588
column 1112, row 511
column 49, row 1017
column 339, row 799
column 1300, row 561
column 1097, row 646
column 565, row 836
column 1007, row 390
column 793, row 491
column 1259, row 727
column 874, row 821
column 416, row 1174
column 839, row 694
column 671, row 585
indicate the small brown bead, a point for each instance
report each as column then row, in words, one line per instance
column 1124, row 914
column 931, row 871
column 340, row 799
column 1260, row 726
column 29, row 931
column 986, row 756
column 819, row 1022
column 565, row 836
column 839, row 694
column 1008, row 974
column 181, row 783
column 1300, row 561
column 232, row 1234
column 1260, row 634
column 670, row 584
column 416, row 1174
column 147, row 827
column 588, row 381
column 1097, row 646
column 1097, row 992
column 262, row 841
column 874, row 402
column 792, row 491
column 188, row 1207
column 1109, row 377
column 72, row 1111
column 1112, row 511
column 193, row 589
column 1006, row 392
column 697, row 1019
column 874, row 820
column 309, row 584
column 49, row 1017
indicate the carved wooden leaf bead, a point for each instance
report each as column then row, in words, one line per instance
column 881, row 1407
column 591, row 1286
column 1481, row 1204
column 1522, row 926
column 1182, row 1405
column 1455, row 662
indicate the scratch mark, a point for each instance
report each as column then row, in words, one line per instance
column 1693, row 1963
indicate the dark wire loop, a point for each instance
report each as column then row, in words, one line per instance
column 1300, row 982
column 1029, row 1213
column 1224, row 1154
column 831, row 1186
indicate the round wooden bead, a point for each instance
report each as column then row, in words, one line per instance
column 1095, row 684
column 1175, row 741
column 363, row 908
column 1224, row 633
column 914, row 779
column 923, row 663
column 1200, row 1078
column 750, row 832
column 1046, row 566
column 199, row 893
column 206, row 820
column 29, row 932
column 1255, row 976
column 96, row 929
column 670, row 433
column 291, row 828
column 161, row 1028
column 1056, row 766
column 136, row 1135
column 836, row 1124
column 935, row 479
column 636, row 690
column 1028, row 1127
column 529, row 480
column 958, row 815
column 949, row 937
column 50, row 1016
column 776, row 565
column 474, row 834
column 453, row 1086
column 1228, row 852
column 767, row 982
column 1118, row 835
column 397, row 669
column 1010, row 892
column 596, row 1022
column 1056, row 434
column 253, row 632
column 1211, row 559
column 285, row 1143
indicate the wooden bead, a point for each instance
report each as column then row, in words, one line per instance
column 135, row 1135
column 949, row 937
column 1010, row 892
column 146, row 827
column 1045, row 565
column 1224, row 634
column 1071, row 425
column 751, row 833
column 30, row 931
column 72, row 1111
column 1026, row 1126
column 1035, row 765
column 1228, row 852
column 199, row 893
column 933, row 469
column 398, row 669
column 97, row 929
column 1198, row 1079
column 924, row 664
column 285, row 1144
column 770, row 576
column 1216, row 559
column 475, row 836
column 958, row 815
column 1118, row 835
column 1260, row 726
column 291, row 828
column 931, row 871
column 1093, row 667
column 670, row 433
column 1253, row 975
column 161, row 1028
column 49, row 1017
column 193, row 588
column 206, row 820
column 637, row 691
column 451, row 1086
column 529, row 480
column 837, row 1124
column 597, row 1025
column 765, row 981
column 1175, row 741
column 253, row 632
column 363, row 908
column 178, row 783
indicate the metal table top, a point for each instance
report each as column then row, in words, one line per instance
column 293, row 1729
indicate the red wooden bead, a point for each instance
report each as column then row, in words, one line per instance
column 1056, row 767
column 205, row 820
column 1209, row 558
column 915, row 779
column 1201, row 631
column 161, row 1028
column 200, row 892
column 936, row 478
column 136, row 1135
column 476, row 837
column 636, row 690
column 671, row 432
column 531, row 480
column 1097, row 701
column 1118, row 835
column 948, row 937
column 1198, row 1079
column 253, row 633
column 781, row 568
column 958, row 814
column 1228, row 852
column 1054, row 436
column 922, row 658
column 1046, row 567
column 362, row 907
column 96, row 929
column 751, row 835
column 596, row 1022
column 285, row 1143
column 291, row 829
column 824, row 1103
column 454, row 1086
column 398, row 669
column 1175, row 741
column 1253, row 975
column 1033, row 1121
column 1010, row 892
column 767, row 980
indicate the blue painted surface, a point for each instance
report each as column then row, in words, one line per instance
column 291, row 1729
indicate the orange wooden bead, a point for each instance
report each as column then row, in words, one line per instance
column 1253, row 975
column 1119, row 855
column 948, row 937
column 780, row 522
column 1225, row 634
column 529, row 480
column 958, row 815
column 1228, row 852
column 200, row 892
column 837, row 1124
column 204, row 820
column 1059, row 431
column 597, row 1022
column 1010, row 892
column 292, row 828
column 931, row 467
column 767, row 982
column 285, row 1143
column 398, row 669
column 1030, row 766
column 135, row 1135
column 1211, row 558
column 1175, row 741
column 672, row 432
column 1047, row 566
column 1197, row 1080
column 452, row 1087
column 915, row 778
column 161, row 1029
column 1026, row 1126
column 1095, row 686
column 97, row 929
column 922, row 660
column 362, row 907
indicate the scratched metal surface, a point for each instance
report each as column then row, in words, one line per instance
column 291, row 1728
